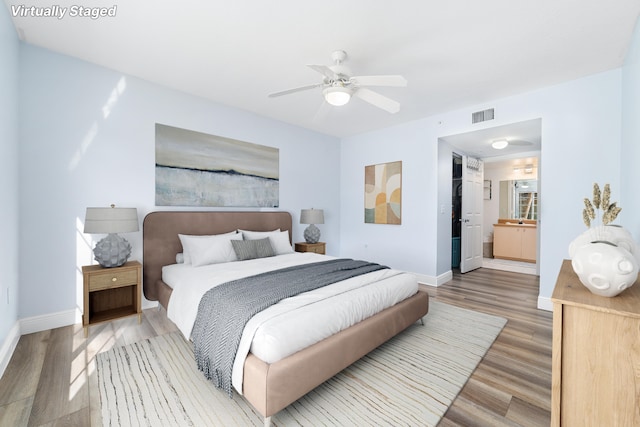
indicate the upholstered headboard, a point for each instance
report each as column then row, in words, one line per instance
column 160, row 242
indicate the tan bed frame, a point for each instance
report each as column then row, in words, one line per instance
column 271, row 387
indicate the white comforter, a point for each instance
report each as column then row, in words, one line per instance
column 293, row 323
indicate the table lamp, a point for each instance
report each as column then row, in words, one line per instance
column 312, row 217
column 113, row 250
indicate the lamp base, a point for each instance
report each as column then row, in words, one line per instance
column 112, row 251
column 311, row 234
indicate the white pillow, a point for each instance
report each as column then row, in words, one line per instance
column 255, row 235
column 279, row 239
column 185, row 239
column 214, row 250
column 280, row 242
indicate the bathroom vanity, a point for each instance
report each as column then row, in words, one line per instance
column 515, row 239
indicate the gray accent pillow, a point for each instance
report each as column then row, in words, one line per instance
column 251, row 249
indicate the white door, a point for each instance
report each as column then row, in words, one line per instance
column 471, row 218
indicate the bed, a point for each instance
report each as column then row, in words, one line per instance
column 270, row 387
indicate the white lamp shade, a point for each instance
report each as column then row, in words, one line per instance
column 110, row 220
column 337, row 95
column 311, row 216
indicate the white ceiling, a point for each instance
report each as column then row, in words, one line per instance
column 524, row 138
column 453, row 53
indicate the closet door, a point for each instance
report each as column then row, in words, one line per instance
column 471, row 230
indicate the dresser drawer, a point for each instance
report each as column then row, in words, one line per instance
column 115, row 279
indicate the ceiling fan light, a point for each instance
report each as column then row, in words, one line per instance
column 337, row 95
column 499, row 144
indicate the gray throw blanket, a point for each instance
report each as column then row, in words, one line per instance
column 225, row 309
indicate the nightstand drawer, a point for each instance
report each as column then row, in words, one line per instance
column 115, row 279
column 318, row 248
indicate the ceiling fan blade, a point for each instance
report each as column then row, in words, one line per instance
column 298, row 89
column 325, row 71
column 380, row 101
column 393, row 81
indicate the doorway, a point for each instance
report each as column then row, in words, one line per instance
column 524, row 144
column 456, row 209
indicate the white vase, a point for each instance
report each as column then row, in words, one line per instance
column 604, row 268
column 610, row 233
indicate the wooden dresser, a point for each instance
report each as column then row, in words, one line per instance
column 596, row 355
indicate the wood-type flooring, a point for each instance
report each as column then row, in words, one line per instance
column 47, row 380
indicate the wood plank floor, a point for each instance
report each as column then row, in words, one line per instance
column 48, row 379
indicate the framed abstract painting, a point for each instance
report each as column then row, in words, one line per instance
column 383, row 193
column 198, row 169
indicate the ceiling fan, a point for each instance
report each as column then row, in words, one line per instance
column 339, row 85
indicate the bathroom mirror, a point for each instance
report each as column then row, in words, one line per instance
column 519, row 199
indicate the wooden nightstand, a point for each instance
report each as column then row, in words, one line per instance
column 319, row 248
column 110, row 293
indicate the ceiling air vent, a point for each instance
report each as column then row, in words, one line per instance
column 482, row 116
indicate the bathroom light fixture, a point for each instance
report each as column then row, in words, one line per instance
column 499, row 144
column 528, row 168
column 337, row 95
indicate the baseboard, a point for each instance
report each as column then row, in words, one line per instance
column 513, row 266
column 33, row 324
column 43, row 322
column 545, row 303
column 434, row 281
column 8, row 347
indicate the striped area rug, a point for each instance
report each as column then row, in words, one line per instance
column 410, row 380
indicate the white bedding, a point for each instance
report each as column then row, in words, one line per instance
column 293, row 323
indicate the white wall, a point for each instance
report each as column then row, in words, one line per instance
column 581, row 128
column 409, row 246
column 9, row 244
column 88, row 139
column 630, row 202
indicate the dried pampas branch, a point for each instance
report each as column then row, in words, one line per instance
column 589, row 208
column 596, row 195
column 611, row 214
column 606, row 195
column 601, row 201
column 585, row 218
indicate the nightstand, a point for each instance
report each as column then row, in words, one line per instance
column 111, row 293
column 319, row 248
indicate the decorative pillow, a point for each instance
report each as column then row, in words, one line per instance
column 255, row 235
column 280, row 242
column 215, row 250
column 190, row 240
column 251, row 249
column 279, row 239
